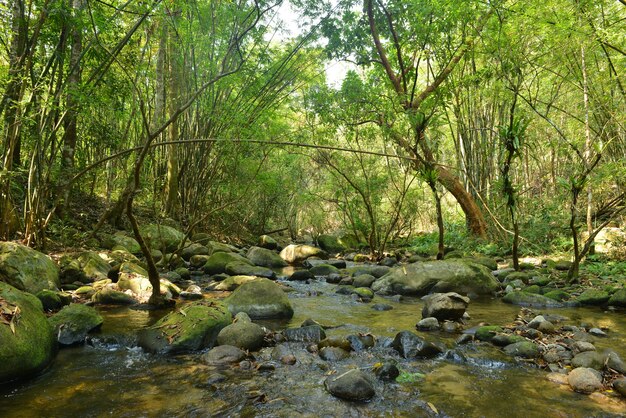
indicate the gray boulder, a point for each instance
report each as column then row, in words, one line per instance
column 260, row 299
column 409, row 345
column 420, row 278
column 445, row 306
column 27, row 269
column 309, row 334
column 520, row 298
column 242, row 333
column 224, row 354
column 585, row 380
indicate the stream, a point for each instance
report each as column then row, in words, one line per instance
column 111, row 376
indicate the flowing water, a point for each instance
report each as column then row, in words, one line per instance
column 111, row 376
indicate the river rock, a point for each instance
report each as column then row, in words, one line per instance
column 27, row 269
column 223, row 354
column 192, row 327
column 353, row 385
column 428, row 324
column 109, row 296
column 32, row 346
column 589, row 359
column 260, row 299
column 502, row 340
column 309, row 334
column 382, row 307
column 243, row 334
column 585, row 380
column 297, row 253
column 363, row 280
column 72, row 323
column 613, row 361
column 217, row 262
column 51, row 300
column 333, row 354
column 409, row 345
column 265, row 241
column 520, row 298
column 387, row 372
column 84, row 267
column 120, row 239
column 365, row 294
column 618, row 298
column 335, row 341
column 418, row 279
column 324, row 270
column 581, row 347
column 487, row 332
column 361, row 342
column 265, row 258
column 331, row 244
column 524, row 349
column 237, row 268
column 620, row 386
column 301, row 275
column 161, row 237
column 371, row 269
column 194, row 249
column 198, row 261
column 445, row 306
column 593, row 297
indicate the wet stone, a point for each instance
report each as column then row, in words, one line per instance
column 597, row 332
column 312, row 333
column 361, row 342
column 224, row 354
column 333, row 354
column 428, row 324
column 387, row 372
column 620, row 386
column 585, row 380
column 582, row 346
column 382, row 307
column 353, row 385
column 410, row 345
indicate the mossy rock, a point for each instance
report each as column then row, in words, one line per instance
column 265, row 258
column 324, row 270
column 123, row 241
column 220, row 247
column 265, row 241
column 533, row 289
column 487, row 332
column 51, row 300
column 523, row 349
column 108, row 296
column 27, row 269
column 488, row 262
column 455, row 254
column 520, row 298
column 558, row 295
column 85, row 291
column 194, row 249
column 541, row 281
column 260, row 299
column 330, row 243
column 32, row 346
column 242, row 334
column 562, row 265
column 162, row 237
column 217, row 262
column 72, row 323
column 618, row 298
column 418, row 279
column 374, row 270
column 363, row 292
column 242, row 269
column 190, row 328
column 517, row 275
column 593, row 297
column 231, row 283
column 297, row 253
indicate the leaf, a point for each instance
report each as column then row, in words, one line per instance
column 431, row 406
column 12, row 325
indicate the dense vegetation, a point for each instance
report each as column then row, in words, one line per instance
column 507, row 117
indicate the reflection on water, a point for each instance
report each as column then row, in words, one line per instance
column 111, row 376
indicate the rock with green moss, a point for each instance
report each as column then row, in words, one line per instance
column 444, row 276
column 83, row 267
column 541, row 281
column 108, row 296
column 162, row 237
column 238, row 268
column 562, row 265
column 121, row 240
column 593, row 297
column 265, row 241
column 371, row 269
column 265, row 258
column 217, row 262
column 523, row 349
column 51, row 300
column 520, row 298
column 27, row 269
column 454, row 254
column 487, row 332
column 324, row 270
column 194, row 249
column 72, row 323
column 488, row 262
column 29, row 346
column 331, row 244
column 618, row 298
column 364, row 293
column 297, row 253
column 242, row 333
column 533, row 289
column 231, row 283
column 190, row 328
column 260, row 299
column 558, row 295
column 220, row 247
column 517, row 275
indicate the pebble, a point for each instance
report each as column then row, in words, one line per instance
column 597, row 332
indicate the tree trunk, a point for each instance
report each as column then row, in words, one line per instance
column 587, row 146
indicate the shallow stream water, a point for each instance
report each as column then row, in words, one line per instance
column 111, row 376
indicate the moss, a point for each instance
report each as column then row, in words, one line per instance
column 363, row 292
column 260, row 299
column 486, row 333
column 558, row 295
column 533, row 289
column 72, row 323
column 32, row 346
column 324, row 270
column 217, row 262
column 593, row 297
column 530, row 299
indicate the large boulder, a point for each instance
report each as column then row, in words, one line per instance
column 84, row 267
column 72, row 323
column 192, row 327
column 217, row 262
column 420, row 278
column 27, row 343
column 194, row 249
column 331, row 244
column 120, row 240
column 618, row 298
column 161, row 237
column 297, row 253
column 353, row 385
column 27, row 269
column 444, row 306
column 265, row 258
column 585, row 380
column 110, row 296
column 134, row 278
column 260, row 299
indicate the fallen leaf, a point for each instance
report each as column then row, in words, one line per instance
column 431, row 406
